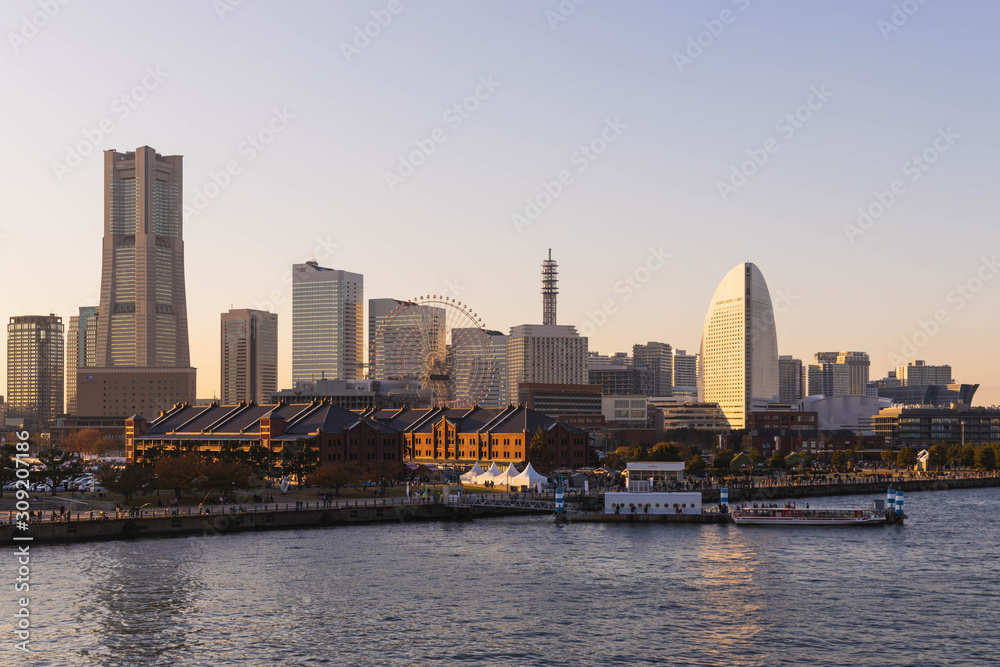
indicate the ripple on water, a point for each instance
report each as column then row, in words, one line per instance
column 529, row 592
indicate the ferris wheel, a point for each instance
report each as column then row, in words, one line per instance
column 441, row 343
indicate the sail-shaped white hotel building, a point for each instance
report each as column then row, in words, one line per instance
column 739, row 347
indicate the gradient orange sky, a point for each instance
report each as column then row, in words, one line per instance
column 714, row 133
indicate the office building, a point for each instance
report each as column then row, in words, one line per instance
column 684, row 371
column 921, row 427
column 789, row 379
column 400, row 334
column 620, row 380
column 479, row 365
column 739, row 348
column 143, row 309
column 858, row 368
column 327, row 323
column 249, row 356
column 81, row 350
column 919, row 373
column 142, row 332
column 35, row 363
column 545, row 354
column 659, row 359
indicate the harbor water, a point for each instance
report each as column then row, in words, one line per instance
column 529, row 591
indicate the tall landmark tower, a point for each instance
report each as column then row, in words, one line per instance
column 549, row 289
column 739, row 347
column 143, row 311
column 141, row 360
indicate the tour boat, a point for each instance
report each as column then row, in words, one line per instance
column 797, row 516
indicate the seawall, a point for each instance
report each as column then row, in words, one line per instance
column 219, row 524
column 877, row 489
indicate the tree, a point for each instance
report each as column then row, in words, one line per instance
column 298, row 458
column 723, row 459
column 837, row 459
column 665, row 451
column 540, row 454
column 127, row 480
column 906, row 458
column 84, row 442
column 177, row 472
column 851, row 456
column 335, row 475
column 740, row 461
column 8, row 466
column 58, row 466
column 755, row 455
column 695, row 466
column 968, row 458
column 986, row 458
column 937, row 456
column 777, row 460
column 889, row 455
column 224, row 476
column 260, row 460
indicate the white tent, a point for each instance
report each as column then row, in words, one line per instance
column 529, row 477
column 507, row 476
column 470, row 477
column 490, row 474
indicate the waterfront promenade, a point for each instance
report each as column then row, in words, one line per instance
column 50, row 524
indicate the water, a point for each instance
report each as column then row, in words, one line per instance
column 528, row 591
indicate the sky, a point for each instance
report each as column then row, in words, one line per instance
column 848, row 149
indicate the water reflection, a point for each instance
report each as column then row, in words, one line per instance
column 140, row 602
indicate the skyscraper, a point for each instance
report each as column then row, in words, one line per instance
column 789, row 379
column 471, row 370
column 739, row 346
column 658, row 358
column 143, row 310
column 685, row 369
column 142, row 361
column 327, row 323
column 825, row 378
column 35, row 354
column 249, row 356
column 552, row 354
column 548, row 353
column 857, row 366
column 81, row 350
column 400, row 334
column 919, row 373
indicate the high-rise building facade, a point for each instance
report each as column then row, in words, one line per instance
column 478, row 361
column 327, row 323
column 400, row 333
column 35, row 358
column 143, row 309
column 919, row 373
column 249, row 356
column 825, row 378
column 789, row 379
column 739, row 347
column 858, row 369
column 81, row 350
column 685, row 369
column 141, row 360
column 546, row 354
column 658, row 358
column 857, row 366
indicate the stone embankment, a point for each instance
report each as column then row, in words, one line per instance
column 186, row 522
column 874, row 488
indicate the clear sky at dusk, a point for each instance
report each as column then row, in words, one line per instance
column 688, row 137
